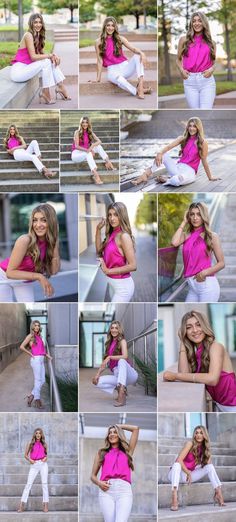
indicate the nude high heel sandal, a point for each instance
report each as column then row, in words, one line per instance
column 218, row 498
column 42, row 96
column 121, row 400
column 174, row 501
column 21, row 507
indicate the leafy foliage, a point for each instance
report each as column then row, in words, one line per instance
column 171, row 209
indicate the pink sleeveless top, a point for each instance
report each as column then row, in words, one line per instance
column 112, row 364
column 189, row 460
column 116, row 466
column 109, row 57
column 195, row 256
column 22, row 56
column 13, row 142
column 38, row 348
column 84, row 142
column 225, row 391
column 112, row 257
column 27, row 262
column 198, row 58
column 190, row 154
column 38, row 451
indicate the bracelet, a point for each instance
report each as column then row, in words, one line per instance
column 194, row 378
column 56, row 257
column 182, row 351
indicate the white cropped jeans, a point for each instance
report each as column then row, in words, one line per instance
column 37, row 467
column 123, row 373
column 37, row 365
column 121, row 290
column 30, row 154
column 176, row 475
column 200, row 92
column 51, row 74
column 81, row 155
column 207, row 291
column 119, row 72
column 180, row 173
column 13, row 290
column 116, row 503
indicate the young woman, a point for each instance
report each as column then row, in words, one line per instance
column 115, row 459
column 37, row 354
column 116, row 358
column 203, row 360
column 36, row 454
column 116, row 252
column 193, row 150
column 193, row 463
column 196, row 62
column 199, row 243
column 30, row 60
column 110, row 55
column 35, row 257
column 16, row 146
column 85, row 145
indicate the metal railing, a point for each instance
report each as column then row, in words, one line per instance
column 132, row 342
column 55, row 400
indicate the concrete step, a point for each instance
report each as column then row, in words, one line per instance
column 108, row 147
column 54, row 468
column 84, row 177
column 195, row 513
column 54, row 478
column 16, row 95
column 29, row 516
column 4, row 156
column 27, row 174
column 131, row 36
column 5, row 165
column 132, row 518
column 225, row 460
column 105, row 87
column 90, row 64
column 225, row 473
column 182, row 440
column 103, row 133
column 13, row 459
column 70, row 165
column 35, row 503
column 148, row 47
column 89, row 188
column 66, row 141
column 216, row 451
column 55, row 490
column 65, row 156
column 197, row 493
column 29, row 187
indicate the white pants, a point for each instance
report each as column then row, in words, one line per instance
column 37, row 467
column 14, row 290
column 123, row 373
column 79, row 155
column 176, row 475
column 121, row 289
column 207, row 291
column 37, row 365
column 200, row 92
column 180, row 173
column 119, row 72
column 222, row 407
column 30, row 154
column 51, row 75
column 116, row 503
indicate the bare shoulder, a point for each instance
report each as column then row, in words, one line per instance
column 125, row 238
column 182, row 40
column 23, row 241
column 217, row 347
column 28, row 36
column 97, row 41
column 188, row 444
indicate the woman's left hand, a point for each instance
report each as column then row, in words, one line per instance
column 201, row 276
column 105, row 362
column 103, row 266
column 169, row 376
column 208, row 72
column 44, row 459
column 55, row 59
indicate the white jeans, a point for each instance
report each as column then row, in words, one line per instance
column 79, row 155
column 30, row 154
column 180, row 173
column 207, row 291
column 116, row 503
column 37, row 365
column 37, row 467
column 14, row 290
column 123, row 373
column 51, row 75
column 223, row 407
column 176, row 475
column 121, row 290
column 200, row 92
column 119, row 72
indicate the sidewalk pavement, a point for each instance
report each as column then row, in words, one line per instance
column 178, row 101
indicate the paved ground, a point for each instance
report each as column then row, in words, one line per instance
column 222, row 101
column 196, row 513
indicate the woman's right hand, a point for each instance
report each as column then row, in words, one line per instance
column 158, row 159
column 101, row 224
column 104, row 485
column 189, row 478
column 169, row 376
column 46, row 286
column 32, row 461
column 95, row 380
column 185, row 217
column 184, row 74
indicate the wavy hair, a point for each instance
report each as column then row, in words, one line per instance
column 42, row 440
column 206, row 33
column 205, row 218
column 190, row 346
column 205, row 455
column 8, row 135
column 116, row 37
column 32, row 325
column 199, row 136
column 78, row 135
column 38, row 38
column 123, row 445
column 51, row 238
column 109, row 340
column 124, row 223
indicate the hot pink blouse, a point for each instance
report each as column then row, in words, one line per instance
column 190, row 154
column 38, row 348
column 198, row 58
column 225, row 391
column 109, row 57
column 84, row 142
column 22, row 56
column 13, row 142
column 116, row 466
column 112, row 257
column 27, row 262
column 189, row 460
column 195, row 256
column 113, row 363
column 38, row 451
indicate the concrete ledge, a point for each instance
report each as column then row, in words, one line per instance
column 14, row 95
column 8, row 354
column 180, row 396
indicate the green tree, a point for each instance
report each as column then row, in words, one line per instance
column 50, row 6
column 137, row 8
column 146, row 213
column 171, row 209
column 226, row 15
column 86, row 11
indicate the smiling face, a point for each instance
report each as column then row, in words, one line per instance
column 12, row 131
column 194, row 331
column 84, row 124
column 36, row 327
column 113, row 437
column 37, row 25
column 114, row 329
column 110, row 28
column 40, row 225
column 195, row 217
column 197, row 24
column 192, row 128
column 38, row 435
column 113, row 218
column 199, row 435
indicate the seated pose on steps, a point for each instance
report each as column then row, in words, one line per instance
column 37, row 354
column 116, row 358
column 16, row 146
column 193, row 463
column 119, row 68
column 36, row 453
column 30, row 60
column 85, row 145
column 115, row 461
column 193, row 150
column 35, row 257
column 203, row 360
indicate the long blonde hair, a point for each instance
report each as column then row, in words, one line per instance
column 8, row 135
column 203, row 457
column 199, row 136
column 123, row 445
column 124, row 223
column 42, row 440
column 78, row 134
column 190, row 346
column 109, row 340
column 205, row 218
column 38, row 38
column 116, row 37
column 51, row 238
column 32, row 325
column 206, row 33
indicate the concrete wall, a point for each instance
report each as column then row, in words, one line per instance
column 65, row 361
column 63, row 324
column 171, row 425
column 136, row 318
column 13, row 329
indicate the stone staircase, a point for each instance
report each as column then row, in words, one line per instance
column 77, row 176
column 63, row 489
column 196, row 500
column 18, row 176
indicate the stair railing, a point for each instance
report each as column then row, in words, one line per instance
column 132, row 344
column 55, row 400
